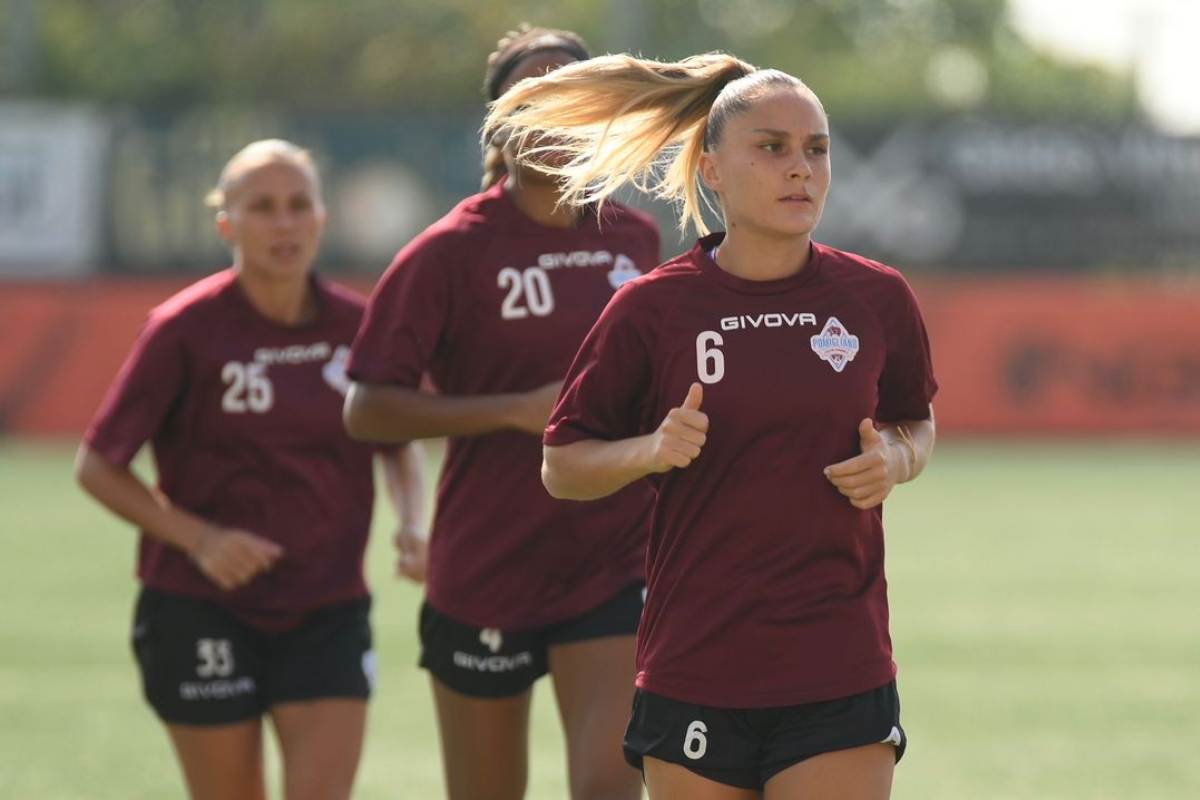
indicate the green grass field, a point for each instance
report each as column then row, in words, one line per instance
column 1046, row 616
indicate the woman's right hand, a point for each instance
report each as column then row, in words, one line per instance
column 534, row 408
column 231, row 558
column 412, row 549
column 681, row 436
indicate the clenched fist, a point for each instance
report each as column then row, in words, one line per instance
column 682, row 434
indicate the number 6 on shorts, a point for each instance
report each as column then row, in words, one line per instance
column 695, row 743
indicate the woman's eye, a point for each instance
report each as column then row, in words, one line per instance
column 771, row 147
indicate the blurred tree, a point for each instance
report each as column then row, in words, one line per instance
column 866, row 58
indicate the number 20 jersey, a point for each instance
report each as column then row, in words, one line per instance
column 488, row 301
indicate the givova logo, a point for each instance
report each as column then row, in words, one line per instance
column 493, row 638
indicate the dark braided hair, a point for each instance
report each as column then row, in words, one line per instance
column 513, row 48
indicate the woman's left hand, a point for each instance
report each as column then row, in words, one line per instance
column 867, row 479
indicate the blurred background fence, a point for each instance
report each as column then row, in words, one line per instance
column 1047, row 211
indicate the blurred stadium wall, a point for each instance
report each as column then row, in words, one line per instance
column 1052, row 261
column 1052, row 234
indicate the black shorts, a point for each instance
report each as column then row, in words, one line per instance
column 746, row 748
column 201, row 665
column 487, row 662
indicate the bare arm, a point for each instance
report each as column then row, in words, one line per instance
column 228, row 557
column 895, row 453
column 594, row 468
column 404, row 476
column 380, row 413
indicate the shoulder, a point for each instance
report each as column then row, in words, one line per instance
column 342, row 301
column 460, row 231
column 623, row 218
column 659, row 288
column 196, row 304
column 865, row 275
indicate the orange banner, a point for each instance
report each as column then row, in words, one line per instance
column 1012, row 355
column 1065, row 355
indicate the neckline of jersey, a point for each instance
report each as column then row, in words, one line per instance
column 243, row 300
column 702, row 257
column 520, row 219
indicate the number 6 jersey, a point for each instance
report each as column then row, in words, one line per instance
column 244, row 417
column 766, row 587
column 488, row 301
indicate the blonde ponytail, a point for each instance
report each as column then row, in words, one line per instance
column 623, row 120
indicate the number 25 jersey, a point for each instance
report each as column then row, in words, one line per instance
column 244, row 417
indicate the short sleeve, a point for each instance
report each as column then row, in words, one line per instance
column 605, row 390
column 406, row 317
column 141, row 397
column 906, row 384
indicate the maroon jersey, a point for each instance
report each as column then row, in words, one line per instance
column 488, row 301
column 766, row 587
column 245, row 420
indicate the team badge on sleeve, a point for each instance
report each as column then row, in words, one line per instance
column 835, row 344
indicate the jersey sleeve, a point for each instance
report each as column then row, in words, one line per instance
column 603, row 396
column 906, row 384
column 141, row 397
column 406, row 318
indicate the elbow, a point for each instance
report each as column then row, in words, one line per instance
column 551, row 481
column 81, row 469
column 354, row 415
column 552, row 477
column 557, row 482
column 88, row 468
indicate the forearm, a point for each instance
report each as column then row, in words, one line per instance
column 124, row 494
column 594, row 468
column 393, row 414
column 914, row 440
column 404, row 475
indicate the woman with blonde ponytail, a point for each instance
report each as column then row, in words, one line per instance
column 773, row 391
column 493, row 301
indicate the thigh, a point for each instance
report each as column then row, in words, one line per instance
column 721, row 746
column 859, row 773
column 329, row 656
column 485, row 743
column 593, row 682
column 868, row 722
column 321, row 742
column 200, row 666
column 667, row 781
column 221, row 762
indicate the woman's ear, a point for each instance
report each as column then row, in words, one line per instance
column 224, row 226
column 709, row 173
